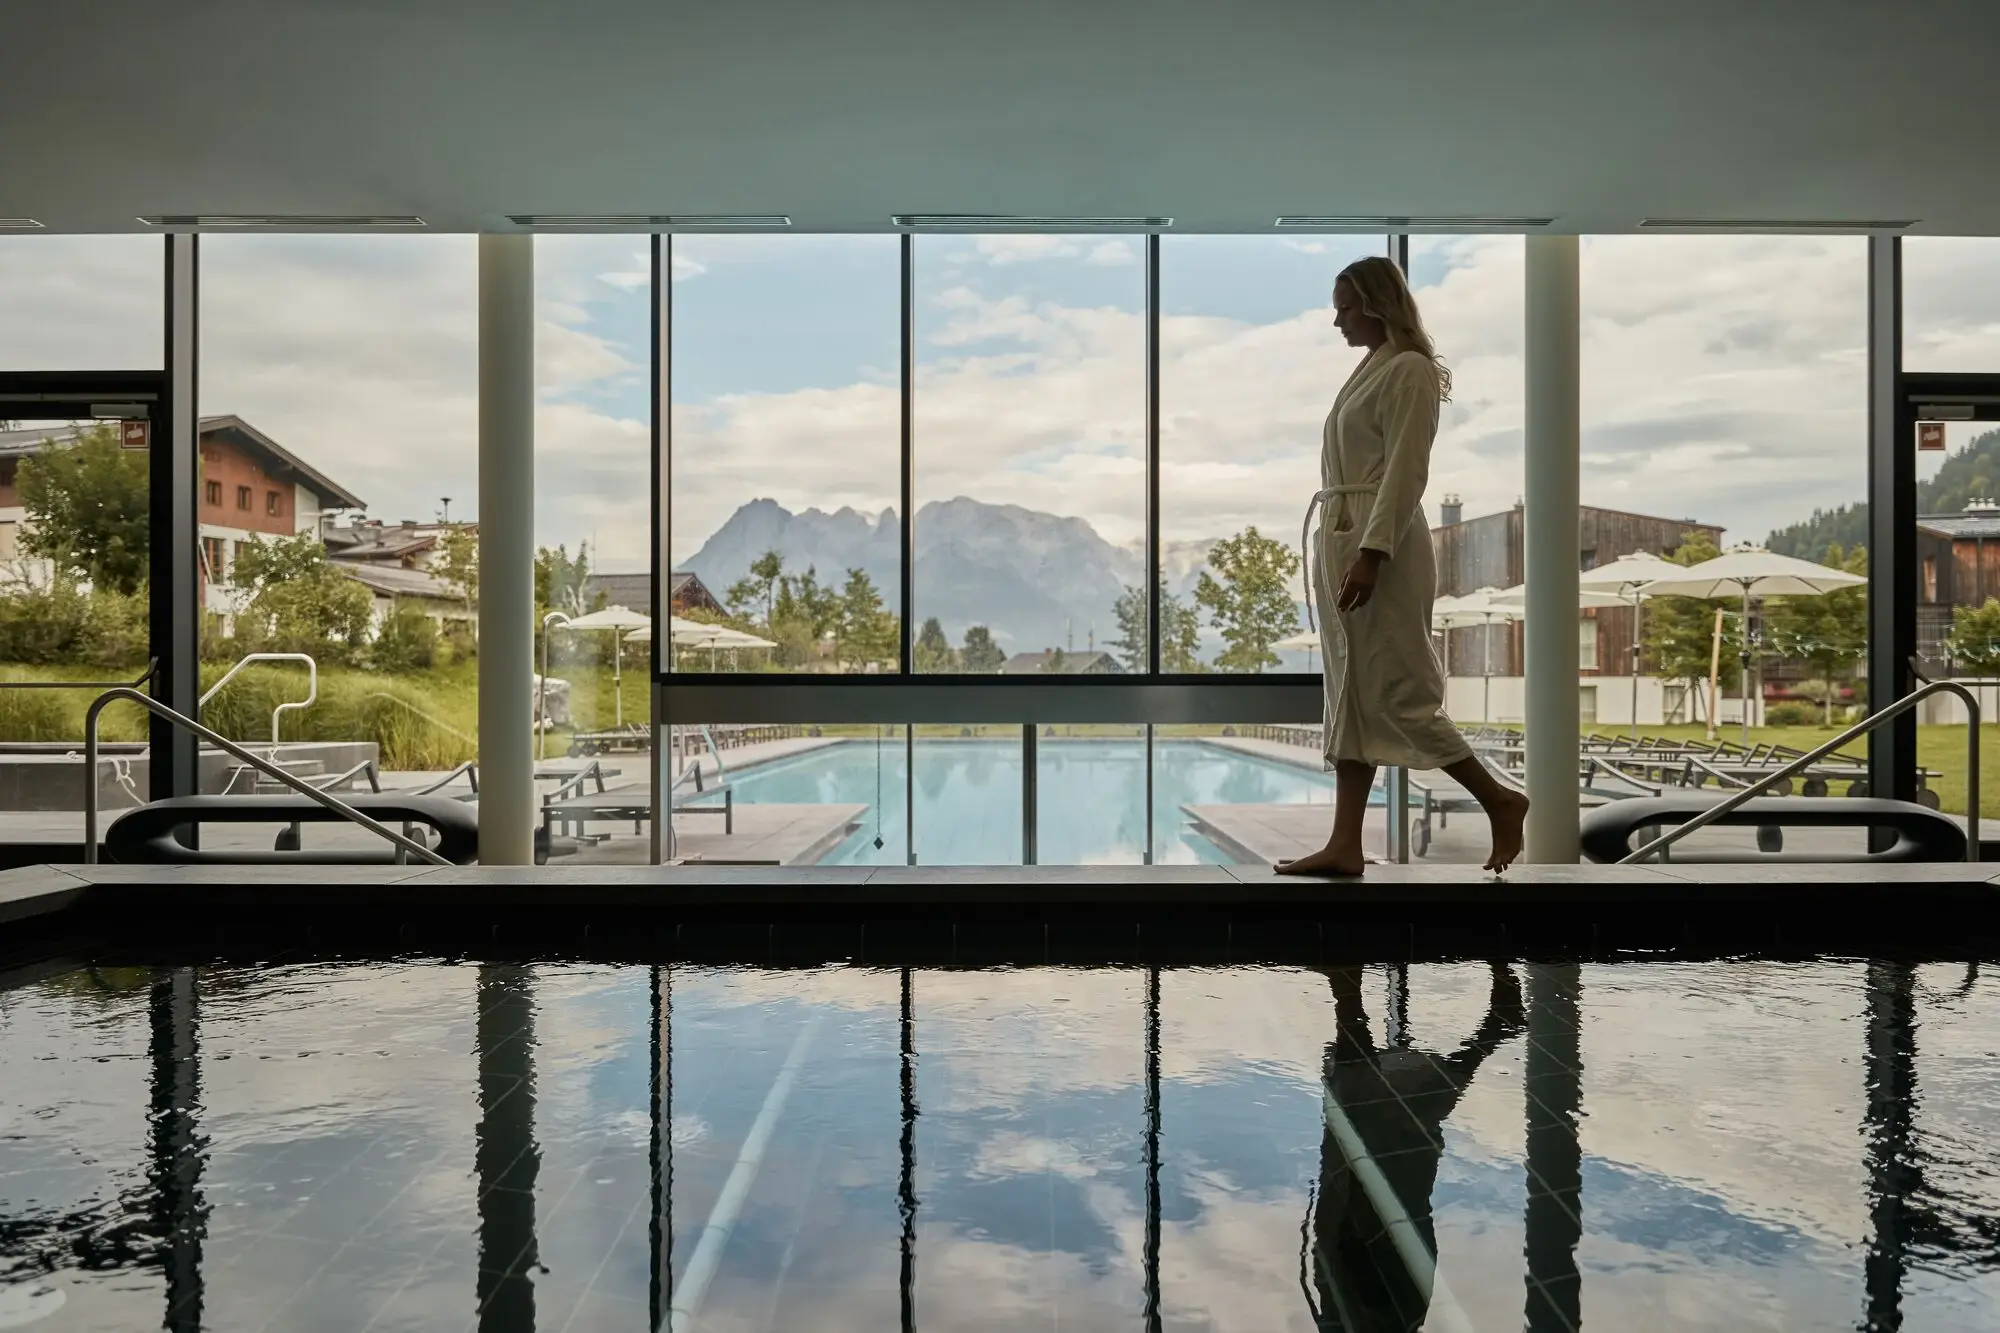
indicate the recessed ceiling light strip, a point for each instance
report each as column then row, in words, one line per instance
column 1024, row 222
column 19, row 224
column 1776, row 224
column 1397, row 223
column 613, row 221
column 287, row 221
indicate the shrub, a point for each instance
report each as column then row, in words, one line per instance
column 1791, row 713
column 407, row 641
column 62, row 624
column 37, row 715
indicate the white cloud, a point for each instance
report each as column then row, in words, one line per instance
column 1113, row 254
column 1723, row 379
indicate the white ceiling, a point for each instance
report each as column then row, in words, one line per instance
column 1221, row 114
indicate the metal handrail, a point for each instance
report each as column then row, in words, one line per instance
column 152, row 669
column 470, row 769
column 1853, row 733
column 312, row 685
column 574, row 785
column 223, row 743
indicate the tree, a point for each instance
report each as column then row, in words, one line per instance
column 1680, row 630
column 981, row 656
column 1975, row 639
column 1180, row 635
column 934, row 652
column 298, row 601
column 458, row 562
column 88, row 507
column 759, row 586
column 559, row 586
column 1252, row 603
column 1829, row 631
column 1056, row 663
column 803, row 614
column 1130, row 645
column 865, row 631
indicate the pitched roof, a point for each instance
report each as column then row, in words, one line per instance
column 1974, row 524
column 635, row 590
column 1073, row 664
column 395, row 581
column 281, row 462
column 277, row 460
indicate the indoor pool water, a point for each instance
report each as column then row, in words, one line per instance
column 417, row 1144
column 1090, row 798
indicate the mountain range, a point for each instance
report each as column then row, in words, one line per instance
column 1037, row 580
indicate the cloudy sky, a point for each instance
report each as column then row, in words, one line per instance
column 1723, row 376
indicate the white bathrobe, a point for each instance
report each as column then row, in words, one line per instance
column 1384, row 687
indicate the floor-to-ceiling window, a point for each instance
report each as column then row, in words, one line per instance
column 338, row 504
column 1724, row 400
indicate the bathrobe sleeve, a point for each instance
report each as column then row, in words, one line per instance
column 1406, row 405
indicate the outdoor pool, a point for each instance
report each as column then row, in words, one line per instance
column 1091, row 804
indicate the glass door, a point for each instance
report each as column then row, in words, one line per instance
column 75, row 580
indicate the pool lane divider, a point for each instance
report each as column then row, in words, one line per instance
column 714, row 1238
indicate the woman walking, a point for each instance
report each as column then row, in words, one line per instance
column 1371, row 576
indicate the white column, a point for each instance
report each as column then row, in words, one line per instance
column 1552, row 523
column 506, row 550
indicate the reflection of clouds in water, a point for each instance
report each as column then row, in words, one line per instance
column 1012, row 1154
column 688, row 1131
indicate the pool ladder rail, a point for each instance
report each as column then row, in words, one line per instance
column 404, row 844
column 1862, row 728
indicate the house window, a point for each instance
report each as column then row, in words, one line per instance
column 214, row 555
column 271, row 503
column 243, row 497
column 213, row 493
column 1586, row 645
column 1930, row 578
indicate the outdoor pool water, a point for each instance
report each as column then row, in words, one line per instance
column 421, row 1144
column 1091, row 797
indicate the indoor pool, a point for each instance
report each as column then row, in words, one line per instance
column 1091, row 798
column 428, row 1144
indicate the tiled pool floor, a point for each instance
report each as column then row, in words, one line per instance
column 428, row 1144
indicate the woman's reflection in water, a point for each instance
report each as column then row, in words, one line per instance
column 1375, row 1249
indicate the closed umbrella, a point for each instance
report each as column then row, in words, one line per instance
column 1752, row 571
column 615, row 618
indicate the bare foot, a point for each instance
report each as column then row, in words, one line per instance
column 1328, row 860
column 1507, row 818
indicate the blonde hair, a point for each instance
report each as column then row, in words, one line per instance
column 1385, row 295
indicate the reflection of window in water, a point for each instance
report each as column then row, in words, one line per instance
column 1375, row 1248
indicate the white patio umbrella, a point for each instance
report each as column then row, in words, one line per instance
column 1627, row 577
column 1481, row 607
column 614, row 618
column 1752, row 571
column 695, row 634
column 1302, row 640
